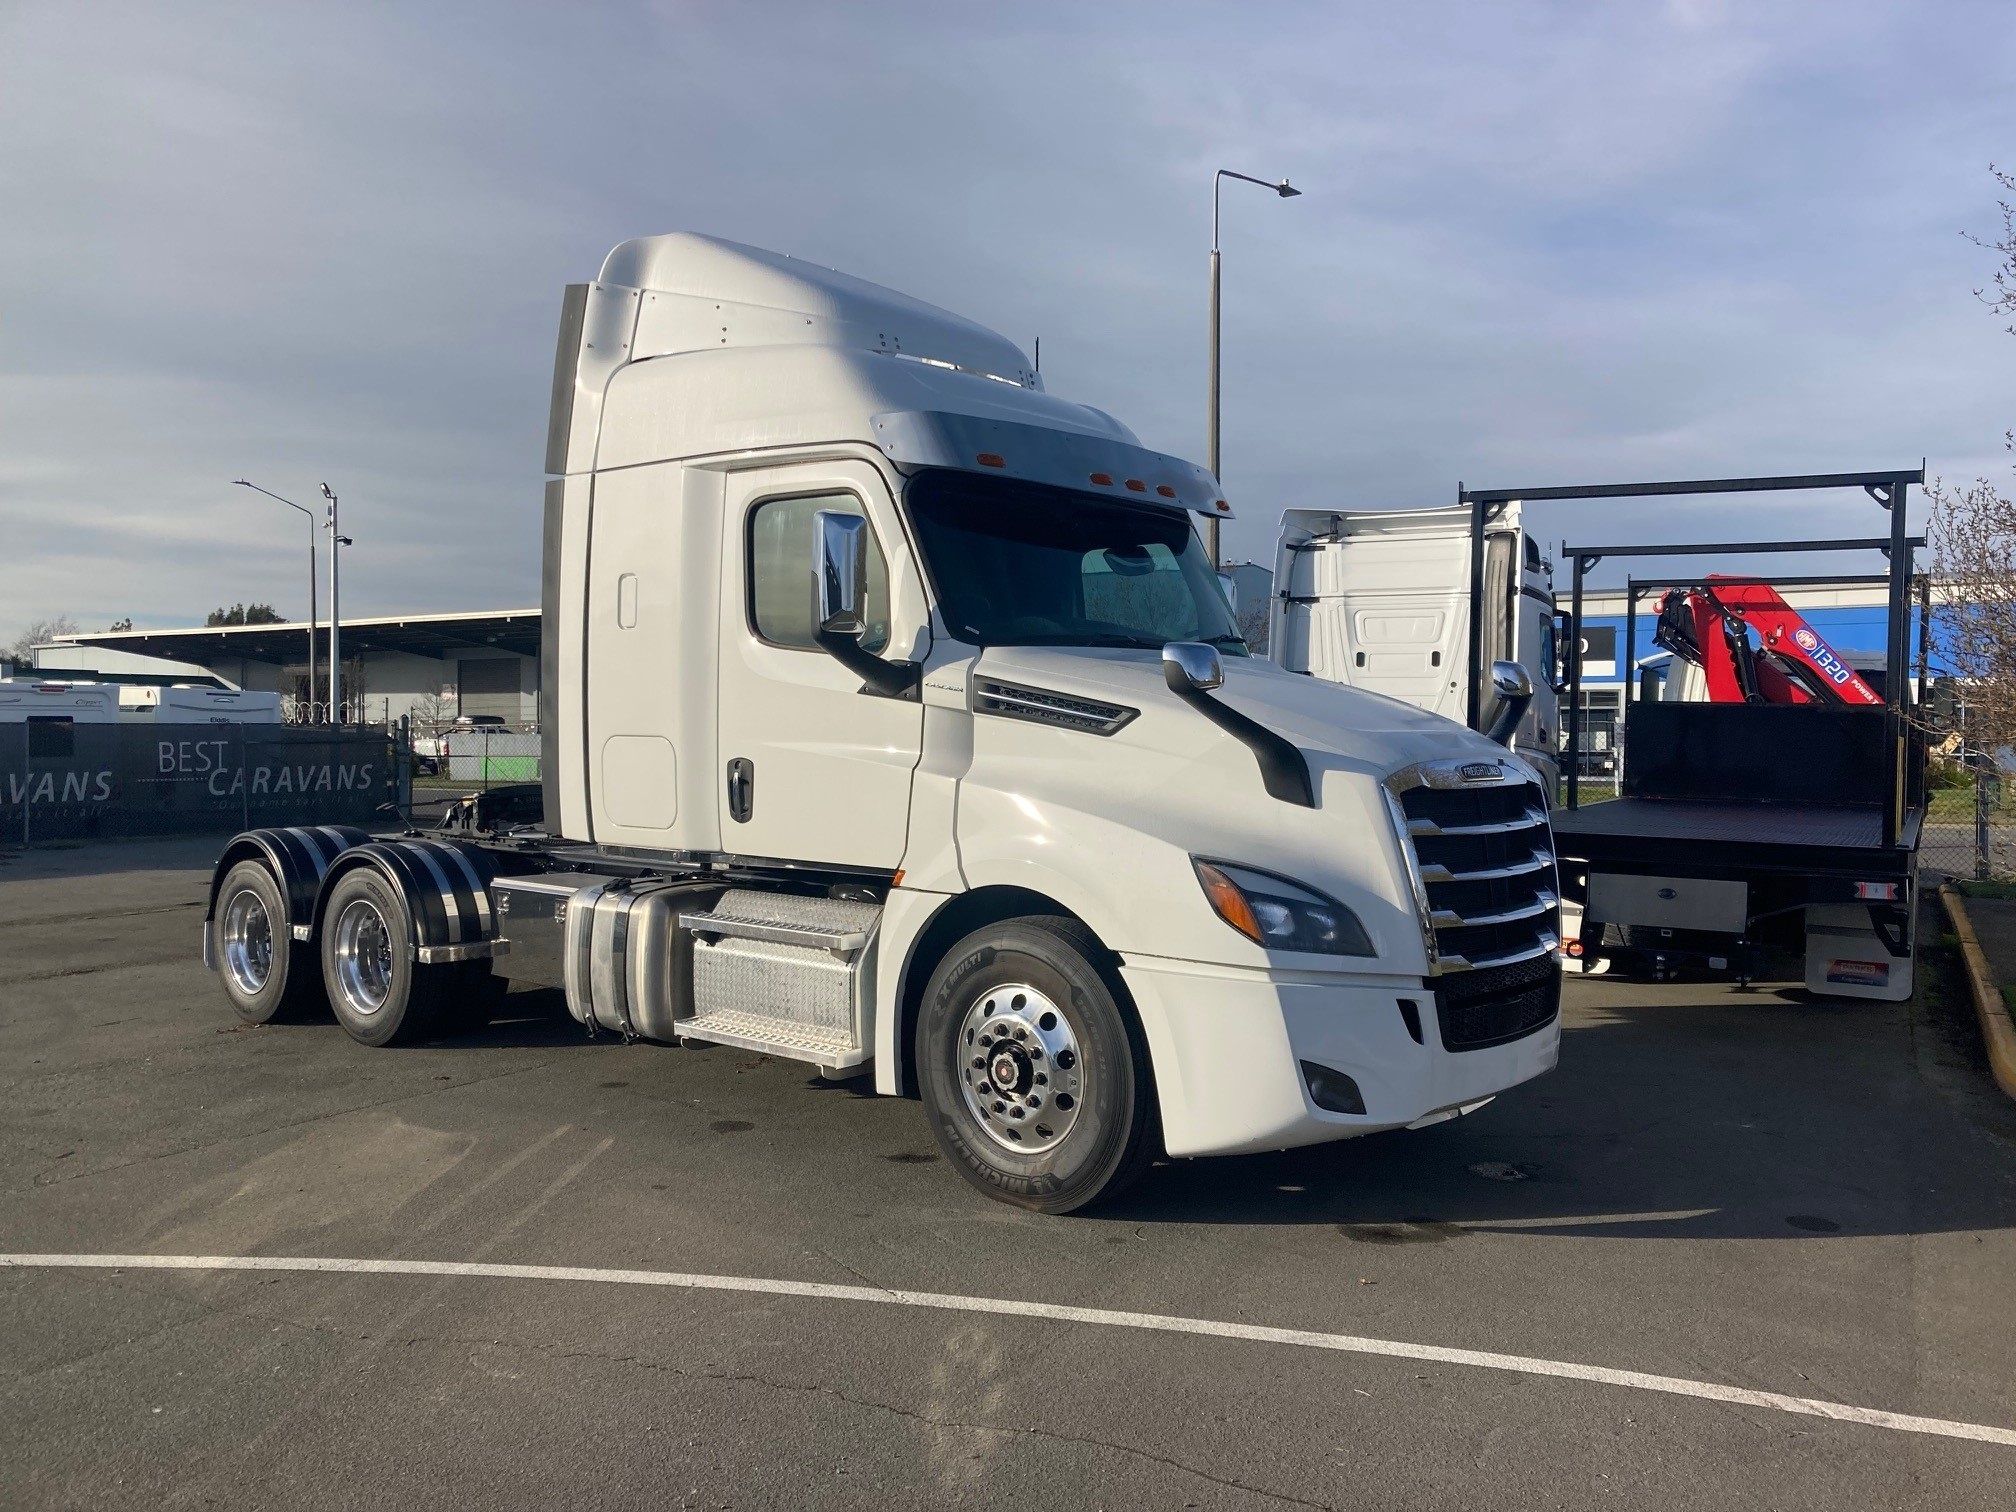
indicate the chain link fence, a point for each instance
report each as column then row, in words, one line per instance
column 1970, row 816
column 62, row 781
column 453, row 763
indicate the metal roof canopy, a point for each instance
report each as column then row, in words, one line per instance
column 438, row 635
column 1888, row 489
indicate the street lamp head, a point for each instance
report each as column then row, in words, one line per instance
column 328, row 493
column 1286, row 190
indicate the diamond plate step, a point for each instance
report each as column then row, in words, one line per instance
column 784, row 975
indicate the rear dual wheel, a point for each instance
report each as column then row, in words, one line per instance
column 381, row 994
column 253, row 945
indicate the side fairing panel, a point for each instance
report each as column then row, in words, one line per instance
column 649, row 750
column 565, row 635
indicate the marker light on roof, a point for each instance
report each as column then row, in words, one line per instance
column 1104, row 480
column 991, row 459
column 1135, row 485
column 1165, row 490
column 1221, row 504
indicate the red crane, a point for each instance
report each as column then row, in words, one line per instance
column 1754, row 647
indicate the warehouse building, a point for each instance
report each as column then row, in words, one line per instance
column 445, row 664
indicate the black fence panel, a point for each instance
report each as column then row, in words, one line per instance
column 62, row 781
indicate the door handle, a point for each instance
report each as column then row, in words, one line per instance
column 741, row 789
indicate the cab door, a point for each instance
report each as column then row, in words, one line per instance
column 810, row 768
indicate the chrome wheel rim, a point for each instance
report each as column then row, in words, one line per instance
column 1020, row 1068
column 363, row 956
column 248, row 942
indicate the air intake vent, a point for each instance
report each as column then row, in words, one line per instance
column 1014, row 701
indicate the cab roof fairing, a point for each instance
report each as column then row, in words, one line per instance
column 919, row 439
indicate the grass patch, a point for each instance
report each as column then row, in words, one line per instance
column 1971, row 888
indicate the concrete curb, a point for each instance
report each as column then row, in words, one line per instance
column 1997, row 1031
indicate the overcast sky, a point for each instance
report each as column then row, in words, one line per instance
column 1539, row 244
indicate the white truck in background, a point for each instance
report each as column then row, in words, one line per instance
column 1380, row 599
column 894, row 722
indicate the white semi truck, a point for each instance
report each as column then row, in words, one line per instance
column 894, row 722
column 1381, row 599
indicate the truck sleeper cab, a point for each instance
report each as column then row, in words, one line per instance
column 894, row 722
column 1380, row 599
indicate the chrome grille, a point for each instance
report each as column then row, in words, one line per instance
column 1015, row 701
column 1483, row 856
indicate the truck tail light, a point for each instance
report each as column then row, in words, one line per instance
column 1876, row 892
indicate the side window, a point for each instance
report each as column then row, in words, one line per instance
column 783, row 596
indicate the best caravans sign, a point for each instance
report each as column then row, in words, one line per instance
column 82, row 781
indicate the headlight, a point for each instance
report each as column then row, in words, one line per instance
column 1279, row 914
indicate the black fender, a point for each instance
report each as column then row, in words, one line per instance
column 299, row 858
column 446, row 887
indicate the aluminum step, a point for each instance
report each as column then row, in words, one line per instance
column 784, row 975
column 755, row 918
column 832, row 1051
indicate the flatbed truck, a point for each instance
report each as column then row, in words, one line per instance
column 894, row 722
column 1751, row 826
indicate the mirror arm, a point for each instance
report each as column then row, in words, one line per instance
column 1283, row 770
column 1514, row 690
column 882, row 679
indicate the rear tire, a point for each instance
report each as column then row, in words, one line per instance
column 252, row 942
column 1034, row 1077
column 380, row 993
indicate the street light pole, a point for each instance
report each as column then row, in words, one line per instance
column 337, row 541
column 1286, row 191
column 312, row 528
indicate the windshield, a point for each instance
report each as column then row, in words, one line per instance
column 1019, row 564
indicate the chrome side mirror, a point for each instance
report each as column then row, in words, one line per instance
column 1514, row 690
column 1192, row 667
column 842, row 571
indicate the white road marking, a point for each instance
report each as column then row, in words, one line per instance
column 1049, row 1312
column 1584, row 1220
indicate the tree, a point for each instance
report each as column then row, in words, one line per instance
column 432, row 710
column 121, row 624
column 244, row 614
column 1253, row 624
column 37, row 633
column 1972, row 536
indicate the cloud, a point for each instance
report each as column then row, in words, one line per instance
column 1537, row 244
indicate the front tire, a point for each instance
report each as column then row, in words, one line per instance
column 1034, row 1077
column 381, row 994
column 253, row 945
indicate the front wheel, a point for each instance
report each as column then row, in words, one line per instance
column 1036, row 1082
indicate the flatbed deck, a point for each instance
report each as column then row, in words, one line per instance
column 1684, row 835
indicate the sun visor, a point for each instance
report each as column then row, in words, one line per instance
column 915, row 439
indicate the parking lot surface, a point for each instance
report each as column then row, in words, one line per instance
column 1743, row 1189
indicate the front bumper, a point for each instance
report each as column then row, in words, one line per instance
column 1226, row 1043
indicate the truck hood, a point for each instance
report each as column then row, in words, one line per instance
column 1363, row 729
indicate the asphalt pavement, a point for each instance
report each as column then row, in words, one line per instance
column 1743, row 1190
